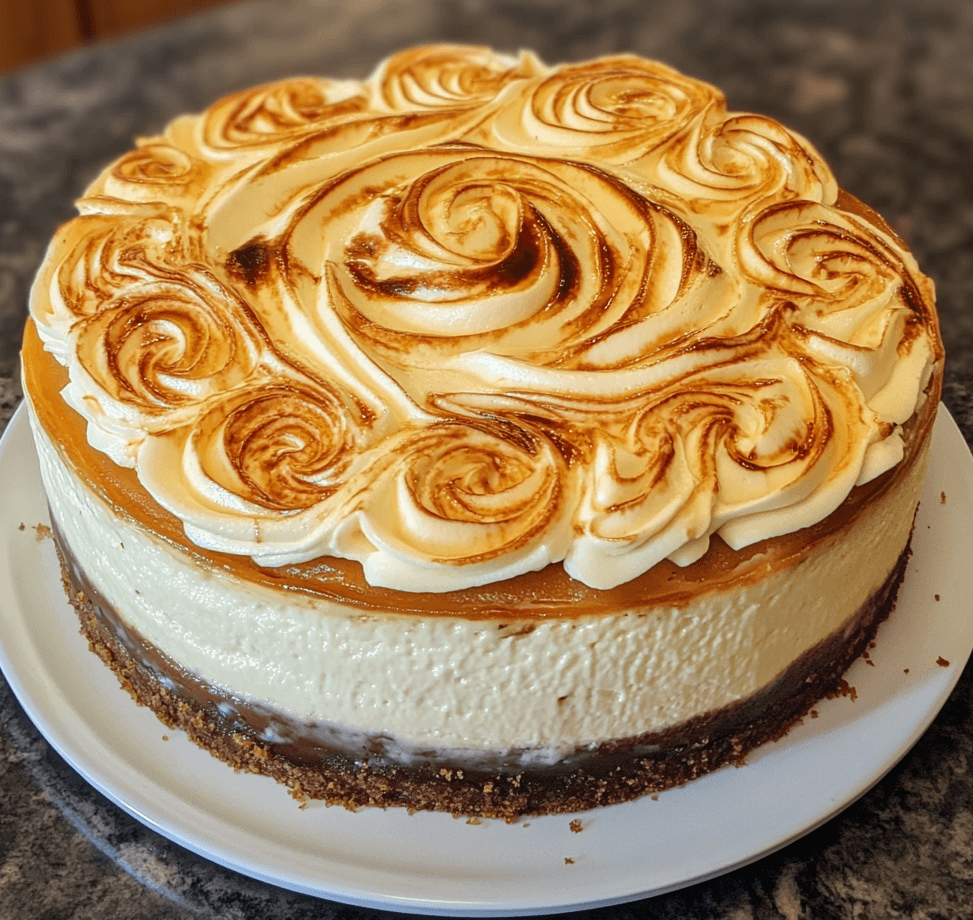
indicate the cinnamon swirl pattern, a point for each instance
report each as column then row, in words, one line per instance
column 474, row 315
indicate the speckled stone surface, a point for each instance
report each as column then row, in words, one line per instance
column 885, row 89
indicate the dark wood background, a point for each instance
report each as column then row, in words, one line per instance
column 31, row 30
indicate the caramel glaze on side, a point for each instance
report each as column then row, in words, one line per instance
column 550, row 592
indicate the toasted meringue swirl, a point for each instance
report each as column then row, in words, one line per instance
column 263, row 116
column 165, row 345
column 154, row 164
column 723, row 166
column 448, row 76
column 474, row 315
column 611, row 110
column 282, row 447
column 471, row 500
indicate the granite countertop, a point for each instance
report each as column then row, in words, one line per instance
column 884, row 89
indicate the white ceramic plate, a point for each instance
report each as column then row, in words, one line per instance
column 434, row 864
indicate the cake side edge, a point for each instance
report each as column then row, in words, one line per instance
column 616, row 771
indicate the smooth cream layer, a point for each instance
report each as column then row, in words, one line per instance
column 476, row 314
column 541, row 688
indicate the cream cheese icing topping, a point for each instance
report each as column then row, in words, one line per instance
column 474, row 315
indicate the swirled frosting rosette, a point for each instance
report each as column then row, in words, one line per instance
column 474, row 315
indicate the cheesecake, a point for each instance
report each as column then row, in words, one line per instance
column 482, row 436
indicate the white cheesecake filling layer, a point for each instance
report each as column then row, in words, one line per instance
column 544, row 686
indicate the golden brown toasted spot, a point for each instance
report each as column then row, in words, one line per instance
column 251, row 262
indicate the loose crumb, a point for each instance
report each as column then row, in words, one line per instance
column 568, row 861
column 844, row 689
column 526, row 824
column 165, row 737
column 654, row 796
column 814, row 713
column 22, row 526
column 473, row 822
column 576, row 826
column 905, row 670
column 42, row 531
column 942, row 498
column 942, row 662
column 936, row 596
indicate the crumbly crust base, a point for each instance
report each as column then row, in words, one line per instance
column 617, row 771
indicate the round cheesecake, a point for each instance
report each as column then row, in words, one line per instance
column 481, row 436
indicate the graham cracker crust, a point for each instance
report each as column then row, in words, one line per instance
column 615, row 771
